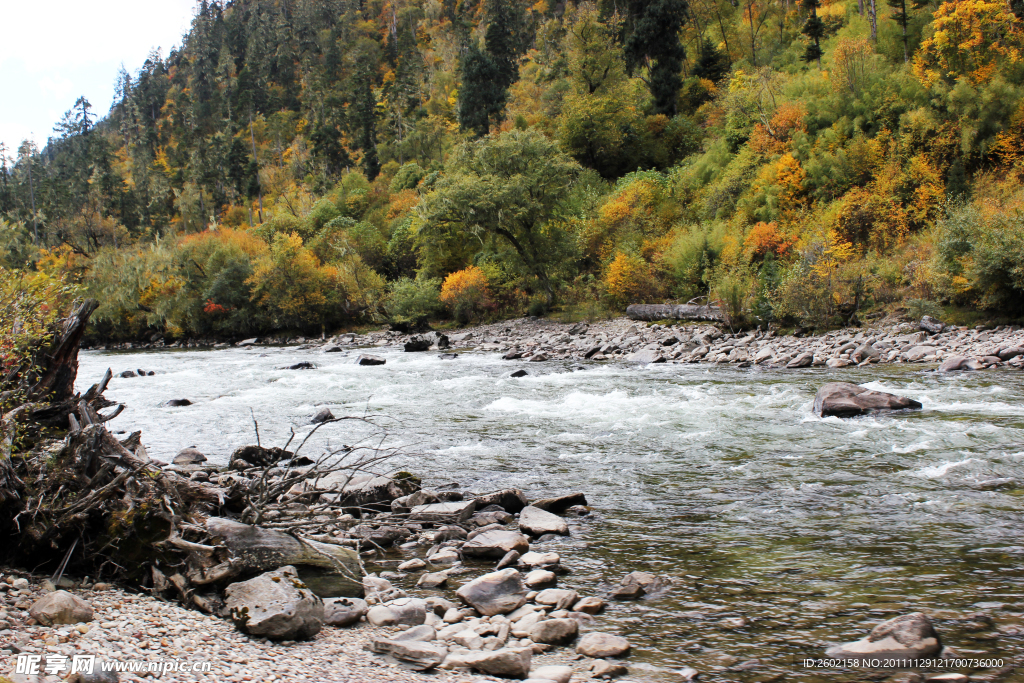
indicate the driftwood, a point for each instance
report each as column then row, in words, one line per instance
column 674, row 312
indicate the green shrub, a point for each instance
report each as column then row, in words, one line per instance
column 413, row 302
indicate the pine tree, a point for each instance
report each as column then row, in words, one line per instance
column 654, row 42
column 482, row 95
column 814, row 29
column 713, row 64
column 902, row 18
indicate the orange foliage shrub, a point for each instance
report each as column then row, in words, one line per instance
column 765, row 238
column 629, row 279
column 466, row 292
column 774, row 138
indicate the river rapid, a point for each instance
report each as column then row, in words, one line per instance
column 782, row 530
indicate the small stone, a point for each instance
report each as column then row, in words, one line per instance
column 421, row 633
column 910, row 636
column 495, row 593
column 507, row 662
column 605, row 669
column 412, row 565
column 554, row 631
column 60, row 607
column 433, row 580
column 555, row 674
column 540, row 577
column 589, row 605
column 600, row 645
column 379, row 615
column 559, row 598
column 189, row 456
column 537, row 522
column 343, row 612
column 417, row 655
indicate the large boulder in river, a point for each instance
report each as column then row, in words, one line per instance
column 843, row 399
column 511, row 500
column 367, row 359
column 495, row 544
column 189, row 456
column 537, row 522
column 910, row 636
column 495, row 593
column 275, row 605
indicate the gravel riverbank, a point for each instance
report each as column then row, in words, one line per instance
column 129, row 628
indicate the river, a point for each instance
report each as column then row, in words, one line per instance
column 783, row 531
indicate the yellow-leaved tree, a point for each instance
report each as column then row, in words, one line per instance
column 970, row 38
column 467, row 293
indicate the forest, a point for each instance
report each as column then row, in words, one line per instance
column 315, row 165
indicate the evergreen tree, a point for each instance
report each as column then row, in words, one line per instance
column 653, row 42
column 902, row 18
column 713, row 64
column 482, row 95
column 814, row 29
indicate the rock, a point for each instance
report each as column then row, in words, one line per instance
column 344, row 611
column 433, row 580
column 363, row 492
column 367, row 359
column 495, row 593
column 589, row 605
column 60, row 607
column 555, row 674
column 519, row 373
column 953, row 363
column 417, row 344
column 601, row 645
column 323, row 415
column 910, row 636
column 510, row 500
column 605, row 669
column 843, row 399
column 128, row 374
column 803, row 360
column 646, row 356
column 275, row 605
column 98, row 675
column 469, row 638
column 408, row 611
column 537, row 522
column 544, row 560
column 414, row 654
column 304, row 365
column 561, row 503
column 379, row 615
column 931, row 325
column 189, row 456
column 496, row 544
column 538, row 357
column 258, row 456
column 1010, row 352
column 421, row 633
column 554, row 631
column 540, row 577
column 447, row 356
column 510, row 560
column 838, row 363
column 557, row 598
column 178, row 402
column 444, row 556
column 406, row 503
column 443, row 513
column 412, row 565
column 919, row 353
column 636, row 585
column 507, row 662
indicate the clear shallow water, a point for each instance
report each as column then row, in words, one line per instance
column 809, row 530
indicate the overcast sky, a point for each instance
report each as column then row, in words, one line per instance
column 53, row 51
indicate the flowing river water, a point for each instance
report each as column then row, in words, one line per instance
column 782, row 530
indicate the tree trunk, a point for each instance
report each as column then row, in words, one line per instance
column 673, row 312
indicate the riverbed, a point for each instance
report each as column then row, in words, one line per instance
column 783, row 531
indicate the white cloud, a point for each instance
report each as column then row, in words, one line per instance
column 55, row 51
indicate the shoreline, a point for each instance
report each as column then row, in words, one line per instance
column 623, row 339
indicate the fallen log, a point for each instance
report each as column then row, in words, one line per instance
column 674, row 312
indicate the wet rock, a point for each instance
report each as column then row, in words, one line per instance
column 557, row 598
column 416, row 655
column 803, row 360
column 496, row 544
column 604, row 669
column 837, row 363
column 636, row 585
column 189, row 456
column 843, row 399
column 540, row 577
column 510, row 560
column 910, row 636
column 507, row 662
column 433, row 580
column 323, row 415
column 60, row 607
column 931, row 325
column 953, row 363
column 275, row 605
column 560, row 504
column 443, row 513
column 406, row 503
column 538, row 357
column 537, row 522
column 127, row 374
column 417, row 344
column 415, row 564
column 519, row 373
column 258, row 456
column 589, row 605
column 541, row 560
column 367, row 359
column 646, row 356
column 343, row 612
column 304, row 365
column 510, row 500
column 178, row 402
column 495, row 593
column 601, row 645
column 447, row 356
column 554, row 631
